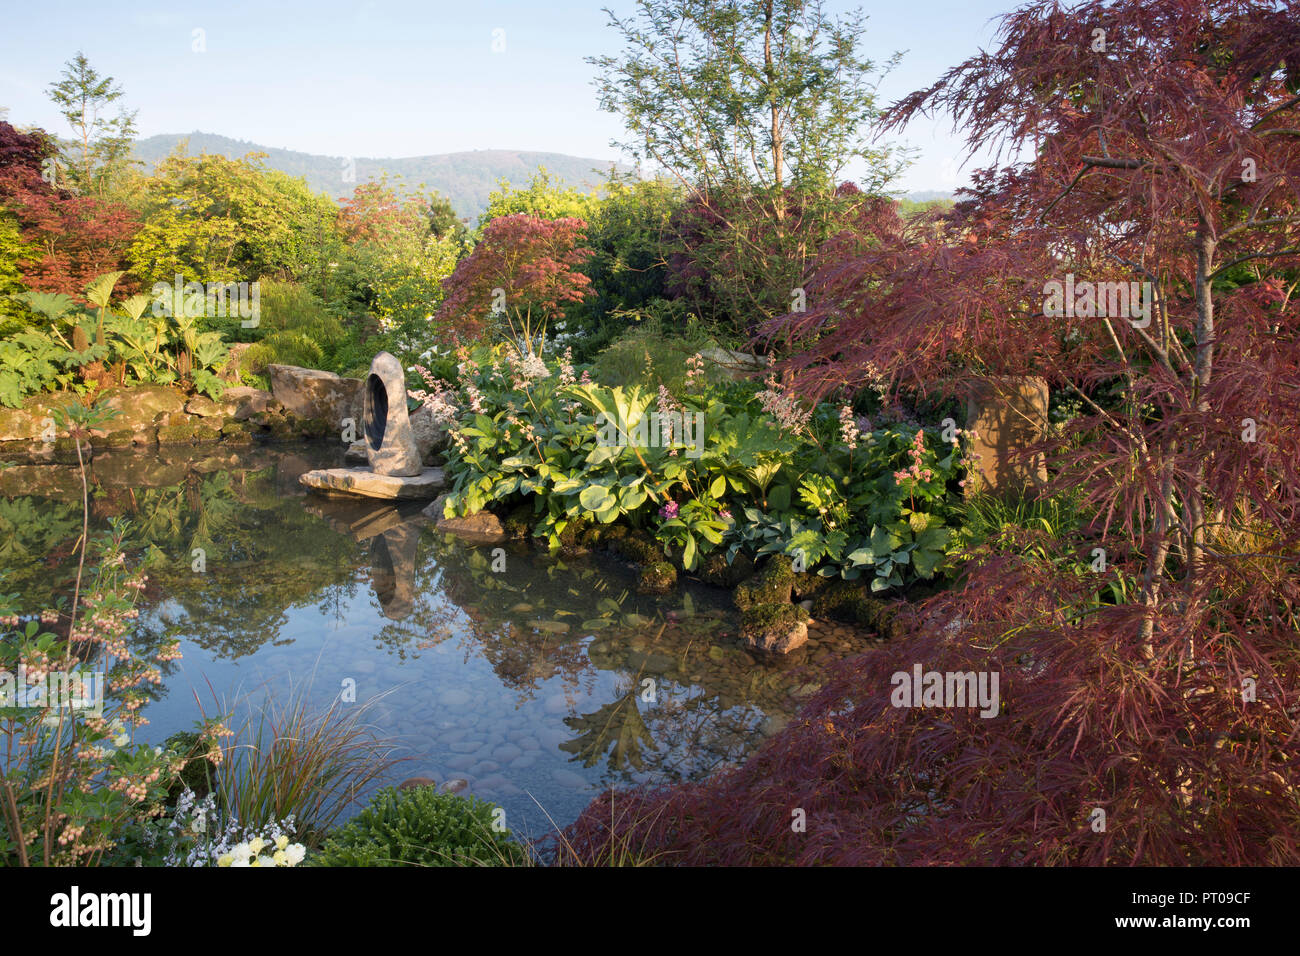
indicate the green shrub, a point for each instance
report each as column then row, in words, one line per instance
column 645, row 356
column 422, row 827
column 294, row 329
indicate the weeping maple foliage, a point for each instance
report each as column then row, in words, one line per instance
column 1149, row 712
column 74, row 238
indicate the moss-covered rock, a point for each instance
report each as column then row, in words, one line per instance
column 283, row 430
column 774, row 628
column 519, row 522
column 187, row 434
column 637, row 545
column 657, row 578
column 853, row 603
column 772, row 585
column 313, row 427
column 123, row 438
column 715, row 570
column 574, row 536
column 808, row 585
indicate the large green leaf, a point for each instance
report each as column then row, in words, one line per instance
column 101, row 288
column 595, row 497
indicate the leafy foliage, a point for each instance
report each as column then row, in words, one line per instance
column 586, row 452
column 422, row 827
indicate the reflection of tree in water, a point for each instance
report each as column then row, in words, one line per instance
column 37, row 539
column 617, row 727
column 537, row 622
column 572, row 622
column 239, row 603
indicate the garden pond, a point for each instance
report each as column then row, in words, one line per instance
column 538, row 680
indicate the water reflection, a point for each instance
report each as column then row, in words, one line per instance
column 536, row 684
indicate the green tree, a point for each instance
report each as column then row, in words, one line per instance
column 100, row 153
column 758, row 108
column 12, row 251
column 545, row 197
column 213, row 219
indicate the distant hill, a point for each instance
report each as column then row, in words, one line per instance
column 929, row 195
column 464, row 178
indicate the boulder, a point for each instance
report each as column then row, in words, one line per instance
column 29, row 421
column 1008, row 414
column 187, row 434
column 738, row 364
column 657, row 578
column 430, row 436
column 201, row 406
column 774, row 628
column 138, row 407
column 774, row 584
column 311, row 393
column 248, row 402
column 434, row 510
column 481, row 528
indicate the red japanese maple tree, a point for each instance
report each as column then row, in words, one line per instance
column 1151, row 712
column 77, row 237
column 524, row 268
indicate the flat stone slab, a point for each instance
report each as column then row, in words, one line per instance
column 429, row 483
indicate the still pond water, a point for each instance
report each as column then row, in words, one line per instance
column 539, row 685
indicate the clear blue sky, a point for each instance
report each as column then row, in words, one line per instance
column 389, row 79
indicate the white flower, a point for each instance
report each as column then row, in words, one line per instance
column 121, row 740
column 241, row 851
column 295, row 853
column 263, row 860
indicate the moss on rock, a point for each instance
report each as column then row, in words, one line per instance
column 853, row 603
column 187, row 434
column 639, row 546
column 772, row 585
column 657, row 578
column 519, row 521
column 809, row 585
column 715, row 570
column 774, row 627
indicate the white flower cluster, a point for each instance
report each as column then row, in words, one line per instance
column 198, row 838
column 526, row 369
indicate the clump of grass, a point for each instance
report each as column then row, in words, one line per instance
column 290, row 758
column 988, row 518
column 620, row 843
